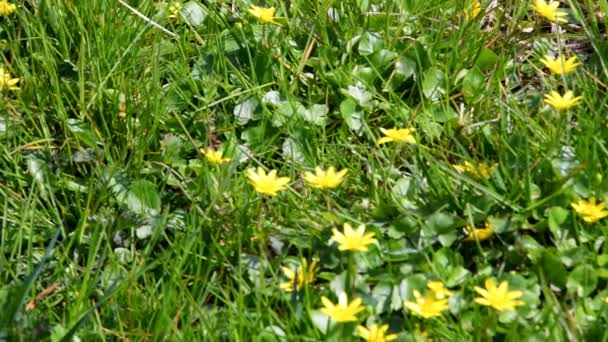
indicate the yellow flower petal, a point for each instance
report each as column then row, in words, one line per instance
column 500, row 298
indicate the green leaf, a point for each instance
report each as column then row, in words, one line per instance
column 194, row 13
column 83, row 132
column 405, row 68
column 143, row 198
column 457, row 276
column 486, row 59
column 320, row 320
column 582, row 280
column 553, row 269
column 381, row 295
column 441, row 222
column 359, row 94
column 433, row 84
column 316, row 114
column 245, row 111
column 473, row 84
column 533, row 249
column 369, row 43
column 285, row 111
column 292, row 151
column 602, row 260
column 557, row 217
column 352, row 117
column 411, row 283
column 382, row 59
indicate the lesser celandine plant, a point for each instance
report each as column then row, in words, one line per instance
column 392, row 171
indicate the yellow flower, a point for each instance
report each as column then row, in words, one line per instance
column 175, row 10
column 265, row 15
column 329, row 179
column 559, row 102
column 214, row 157
column 305, row 275
column 606, row 299
column 479, row 234
column 560, row 66
column 480, row 171
column 7, row 8
column 473, row 10
column 342, row 311
column 268, row 184
column 428, row 306
column 375, row 333
column 439, row 289
column 7, row 82
column 590, row 210
column 500, row 298
column 402, row 135
column 549, row 10
column 353, row 240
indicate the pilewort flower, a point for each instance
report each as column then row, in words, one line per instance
column 428, row 306
column 479, row 234
column 480, row 171
column 303, row 276
column 549, row 10
column 401, row 135
column 7, row 82
column 7, row 8
column 589, row 210
column 214, row 157
column 342, row 311
column 175, row 10
column 439, row 289
column 265, row 15
column 267, row 184
column 500, row 298
column 353, row 240
column 473, row 10
column 375, row 333
column 561, row 65
column 322, row 179
column 559, row 102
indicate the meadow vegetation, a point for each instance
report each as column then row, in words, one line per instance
column 303, row 170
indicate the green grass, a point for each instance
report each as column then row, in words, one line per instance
column 116, row 223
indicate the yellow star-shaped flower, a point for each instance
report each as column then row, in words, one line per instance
column 353, row 240
column 7, row 82
column 473, row 10
column 590, row 211
column 561, row 65
column 267, row 184
column 428, row 306
column 175, row 10
column 401, row 135
column 439, row 289
column 214, row 157
column 480, row 171
column 7, row 8
column 500, row 298
column 303, row 276
column 559, row 102
column 479, row 234
column 342, row 311
column 264, row 15
column 549, row 10
column 322, row 179
column 375, row 333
